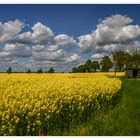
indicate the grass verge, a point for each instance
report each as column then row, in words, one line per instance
column 122, row 120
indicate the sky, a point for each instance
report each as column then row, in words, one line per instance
column 65, row 36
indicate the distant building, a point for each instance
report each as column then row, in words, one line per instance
column 132, row 72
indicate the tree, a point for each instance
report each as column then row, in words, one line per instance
column 119, row 58
column 136, row 57
column 9, row 70
column 122, row 58
column 106, row 64
column 40, row 71
column 51, row 70
column 28, row 71
column 95, row 65
column 88, row 65
column 74, row 69
column 82, row 68
column 128, row 60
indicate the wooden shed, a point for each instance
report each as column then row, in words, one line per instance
column 132, row 72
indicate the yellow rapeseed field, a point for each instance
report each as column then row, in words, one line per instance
column 30, row 103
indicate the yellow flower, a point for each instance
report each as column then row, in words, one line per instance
column 17, row 120
column 3, row 126
column 33, row 95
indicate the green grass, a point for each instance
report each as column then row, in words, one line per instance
column 122, row 120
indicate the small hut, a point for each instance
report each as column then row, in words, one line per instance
column 132, row 72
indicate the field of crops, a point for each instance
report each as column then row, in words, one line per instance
column 30, row 103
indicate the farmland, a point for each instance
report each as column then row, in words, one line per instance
column 30, row 103
column 122, row 120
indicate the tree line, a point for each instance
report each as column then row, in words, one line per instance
column 51, row 70
column 119, row 61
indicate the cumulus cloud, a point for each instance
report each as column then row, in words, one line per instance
column 112, row 33
column 64, row 41
column 106, row 35
column 115, row 21
column 73, row 58
column 18, row 50
column 40, row 44
column 38, row 48
column 41, row 47
column 65, row 63
column 40, row 34
column 52, row 48
column 44, row 55
column 110, row 48
column 10, row 30
column 56, row 53
column 98, row 56
column 5, row 56
column 56, row 56
column 86, row 43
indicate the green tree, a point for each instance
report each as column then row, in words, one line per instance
column 88, row 65
column 119, row 58
column 106, row 64
column 82, row 68
column 28, row 71
column 135, row 57
column 74, row 69
column 128, row 60
column 51, row 70
column 9, row 70
column 95, row 65
column 40, row 71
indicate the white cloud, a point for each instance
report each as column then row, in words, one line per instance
column 64, row 41
column 73, row 58
column 52, row 48
column 45, row 48
column 116, row 29
column 112, row 34
column 53, row 56
column 65, row 63
column 106, row 35
column 38, row 48
column 40, row 34
column 10, row 30
column 86, row 43
column 5, row 56
column 56, row 53
column 98, row 56
column 18, row 50
column 116, row 20
column 110, row 48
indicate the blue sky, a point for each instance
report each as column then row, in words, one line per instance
column 69, row 19
column 72, row 31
